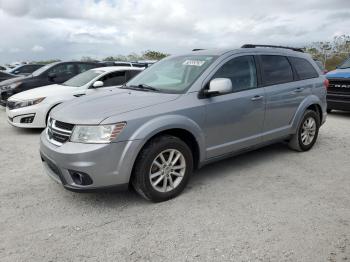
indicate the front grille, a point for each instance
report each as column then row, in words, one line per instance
column 58, row 132
column 5, row 95
column 11, row 104
column 340, row 86
column 63, row 125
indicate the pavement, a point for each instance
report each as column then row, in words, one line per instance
column 272, row 204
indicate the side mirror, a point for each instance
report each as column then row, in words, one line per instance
column 52, row 76
column 219, row 86
column 97, row 84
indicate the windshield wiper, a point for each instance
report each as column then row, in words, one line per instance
column 141, row 86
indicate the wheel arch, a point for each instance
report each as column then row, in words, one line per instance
column 310, row 103
column 178, row 126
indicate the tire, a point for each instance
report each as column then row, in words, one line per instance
column 150, row 163
column 329, row 111
column 301, row 141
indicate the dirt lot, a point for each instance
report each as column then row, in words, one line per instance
column 269, row 205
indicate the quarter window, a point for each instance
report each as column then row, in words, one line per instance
column 303, row 68
column 275, row 69
column 241, row 71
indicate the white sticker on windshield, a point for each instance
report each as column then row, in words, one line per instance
column 194, row 62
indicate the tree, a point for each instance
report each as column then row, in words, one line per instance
column 153, row 55
column 331, row 53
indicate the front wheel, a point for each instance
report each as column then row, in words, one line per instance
column 163, row 168
column 307, row 132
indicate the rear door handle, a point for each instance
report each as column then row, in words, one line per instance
column 256, row 98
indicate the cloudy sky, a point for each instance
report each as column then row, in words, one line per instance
column 70, row 29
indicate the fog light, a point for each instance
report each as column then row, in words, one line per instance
column 80, row 178
column 27, row 120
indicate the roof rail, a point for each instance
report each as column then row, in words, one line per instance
column 273, row 46
column 198, row 49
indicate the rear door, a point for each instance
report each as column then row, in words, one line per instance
column 283, row 94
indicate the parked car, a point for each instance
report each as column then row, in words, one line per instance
column 25, row 70
column 338, row 96
column 4, row 76
column 30, row 109
column 182, row 113
column 54, row 73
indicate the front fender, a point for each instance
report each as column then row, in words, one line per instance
column 163, row 123
column 308, row 101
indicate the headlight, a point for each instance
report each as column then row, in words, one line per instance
column 96, row 134
column 20, row 104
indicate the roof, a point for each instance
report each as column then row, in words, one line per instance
column 256, row 50
column 117, row 68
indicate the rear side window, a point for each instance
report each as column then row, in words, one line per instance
column 303, row 68
column 275, row 70
column 242, row 72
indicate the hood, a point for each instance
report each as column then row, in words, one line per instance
column 44, row 91
column 339, row 73
column 14, row 80
column 93, row 109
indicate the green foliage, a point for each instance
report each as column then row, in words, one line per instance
column 153, row 55
column 147, row 55
column 45, row 62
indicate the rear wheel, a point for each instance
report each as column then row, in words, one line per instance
column 307, row 132
column 163, row 168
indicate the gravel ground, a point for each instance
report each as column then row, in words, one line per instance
column 272, row 204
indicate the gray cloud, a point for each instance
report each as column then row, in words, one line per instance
column 71, row 29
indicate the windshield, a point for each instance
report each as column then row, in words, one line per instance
column 346, row 64
column 42, row 69
column 173, row 75
column 83, row 78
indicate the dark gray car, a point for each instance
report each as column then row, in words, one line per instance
column 182, row 113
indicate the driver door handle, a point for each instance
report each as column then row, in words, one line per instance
column 256, row 98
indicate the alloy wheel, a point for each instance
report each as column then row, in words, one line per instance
column 167, row 170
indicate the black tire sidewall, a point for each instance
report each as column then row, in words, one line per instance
column 317, row 120
column 144, row 166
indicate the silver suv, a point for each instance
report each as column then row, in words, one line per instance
column 182, row 113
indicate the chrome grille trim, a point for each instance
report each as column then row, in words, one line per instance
column 56, row 135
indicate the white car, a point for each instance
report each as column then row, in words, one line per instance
column 30, row 109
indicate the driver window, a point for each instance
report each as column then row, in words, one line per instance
column 63, row 69
column 241, row 71
column 114, row 79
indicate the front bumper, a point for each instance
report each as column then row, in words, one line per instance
column 15, row 116
column 338, row 101
column 108, row 165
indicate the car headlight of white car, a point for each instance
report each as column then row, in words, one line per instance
column 25, row 103
column 100, row 134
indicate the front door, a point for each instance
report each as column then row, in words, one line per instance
column 235, row 121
